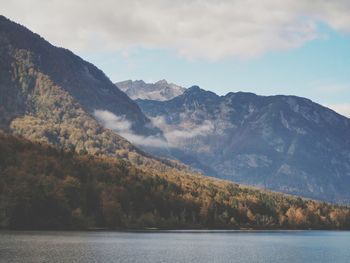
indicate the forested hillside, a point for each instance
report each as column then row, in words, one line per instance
column 42, row 187
column 48, row 94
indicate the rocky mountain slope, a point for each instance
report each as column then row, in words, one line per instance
column 160, row 90
column 284, row 143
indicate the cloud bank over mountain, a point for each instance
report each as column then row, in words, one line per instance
column 121, row 125
column 177, row 135
column 194, row 29
column 173, row 136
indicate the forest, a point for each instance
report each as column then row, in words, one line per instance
column 43, row 187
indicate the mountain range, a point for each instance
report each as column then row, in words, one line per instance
column 70, row 154
column 284, row 143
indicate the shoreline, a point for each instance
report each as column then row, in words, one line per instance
column 175, row 231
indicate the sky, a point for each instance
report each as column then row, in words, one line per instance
column 269, row 47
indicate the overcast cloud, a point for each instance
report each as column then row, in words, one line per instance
column 211, row 29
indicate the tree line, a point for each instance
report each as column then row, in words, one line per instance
column 42, row 187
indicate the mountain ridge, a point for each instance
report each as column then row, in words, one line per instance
column 81, row 79
column 40, row 104
column 285, row 143
column 160, row 90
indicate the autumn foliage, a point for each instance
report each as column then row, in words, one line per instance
column 42, row 187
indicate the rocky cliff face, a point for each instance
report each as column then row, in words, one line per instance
column 161, row 90
column 284, row 143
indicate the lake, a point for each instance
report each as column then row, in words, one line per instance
column 176, row 246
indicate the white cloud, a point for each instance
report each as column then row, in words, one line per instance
column 112, row 121
column 122, row 126
column 192, row 132
column 206, row 29
column 343, row 109
column 174, row 136
column 178, row 135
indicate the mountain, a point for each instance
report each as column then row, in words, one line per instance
column 42, row 187
column 161, row 90
column 28, row 62
column 63, row 166
column 284, row 143
column 49, row 94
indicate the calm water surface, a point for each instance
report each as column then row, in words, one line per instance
column 179, row 246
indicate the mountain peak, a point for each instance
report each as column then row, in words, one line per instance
column 197, row 91
column 194, row 88
column 161, row 90
column 139, row 81
column 240, row 93
column 161, row 82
